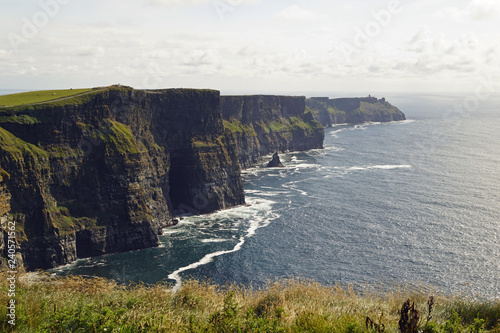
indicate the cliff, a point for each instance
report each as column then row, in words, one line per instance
column 261, row 125
column 352, row 110
column 104, row 171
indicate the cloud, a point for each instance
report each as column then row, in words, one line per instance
column 3, row 55
column 483, row 9
column 296, row 12
column 177, row 2
column 429, row 53
column 476, row 10
column 185, row 3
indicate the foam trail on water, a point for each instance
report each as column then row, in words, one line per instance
column 382, row 167
column 205, row 260
column 256, row 222
column 389, row 167
column 214, row 240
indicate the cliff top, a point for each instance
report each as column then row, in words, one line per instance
column 29, row 100
column 42, row 96
column 55, row 98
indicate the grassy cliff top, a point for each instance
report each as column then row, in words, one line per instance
column 75, row 304
column 41, row 96
column 53, row 98
column 39, row 100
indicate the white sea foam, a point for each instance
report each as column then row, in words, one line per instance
column 332, row 148
column 73, row 264
column 293, row 186
column 294, row 159
column 357, row 168
column 304, row 166
column 272, row 194
column 404, row 122
column 383, row 167
column 252, row 191
column 361, row 127
column 334, row 133
column 389, row 167
column 171, row 232
column 214, row 240
column 259, row 214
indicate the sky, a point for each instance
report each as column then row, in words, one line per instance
column 252, row 46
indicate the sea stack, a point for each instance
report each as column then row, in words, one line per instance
column 275, row 162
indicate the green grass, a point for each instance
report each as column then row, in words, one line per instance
column 376, row 107
column 75, row 304
column 33, row 97
column 17, row 147
column 118, row 137
column 289, row 125
column 237, row 127
column 67, row 224
column 38, row 110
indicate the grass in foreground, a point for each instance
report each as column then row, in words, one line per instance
column 75, row 304
column 38, row 96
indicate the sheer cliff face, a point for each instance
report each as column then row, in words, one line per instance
column 262, row 125
column 104, row 172
column 352, row 110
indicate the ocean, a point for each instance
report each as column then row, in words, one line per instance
column 412, row 202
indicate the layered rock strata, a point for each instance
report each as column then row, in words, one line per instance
column 352, row 110
column 105, row 171
column 262, row 125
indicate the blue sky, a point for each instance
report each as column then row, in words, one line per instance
column 251, row 46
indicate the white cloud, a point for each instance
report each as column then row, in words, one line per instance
column 178, row 2
column 475, row 10
column 3, row 55
column 435, row 53
column 483, row 9
column 296, row 12
column 186, row 3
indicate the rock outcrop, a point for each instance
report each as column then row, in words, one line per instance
column 104, row 172
column 262, row 125
column 275, row 162
column 352, row 110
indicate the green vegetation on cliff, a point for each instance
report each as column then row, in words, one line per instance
column 292, row 124
column 67, row 224
column 39, row 96
column 281, row 125
column 75, row 304
column 234, row 126
column 71, row 99
column 117, row 137
column 16, row 147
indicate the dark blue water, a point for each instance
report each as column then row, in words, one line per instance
column 407, row 202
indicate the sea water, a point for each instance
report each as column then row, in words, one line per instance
column 407, row 202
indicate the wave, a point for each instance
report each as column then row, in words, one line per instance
column 404, row 122
column 259, row 214
column 215, row 240
column 304, row 166
column 365, row 125
column 389, row 167
column 335, row 132
column 382, row 167
column 171, row 232
column 294, row 159
column 79, row 263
